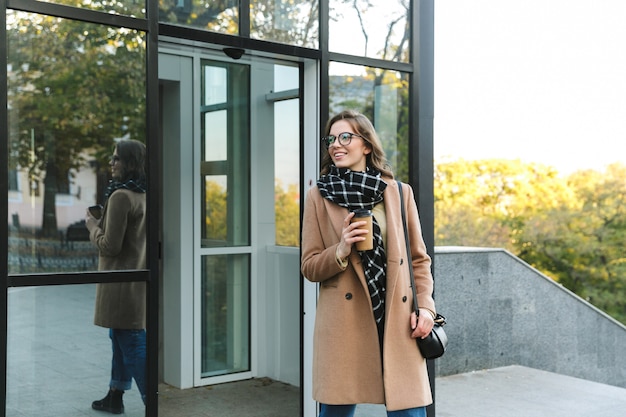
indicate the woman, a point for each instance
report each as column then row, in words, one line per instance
column 120, row 236
column 364, row 339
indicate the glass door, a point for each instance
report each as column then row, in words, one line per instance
column 224, row 207
column 231, row 285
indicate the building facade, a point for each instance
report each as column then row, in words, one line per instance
column 230, row 98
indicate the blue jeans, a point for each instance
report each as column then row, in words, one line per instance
column 129, row 360
column 348, row 411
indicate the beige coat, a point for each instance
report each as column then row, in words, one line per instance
column 346, row 355
column 121, row 241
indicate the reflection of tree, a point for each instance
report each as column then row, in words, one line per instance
column 395, row 48
column 287, row 206
column 73, row 87
column 215, row 15
column 215, row 212
column 291, row 22
column 382, row 96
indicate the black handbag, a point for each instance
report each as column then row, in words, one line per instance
column 435, row 344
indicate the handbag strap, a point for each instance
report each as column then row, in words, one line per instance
column 408, row 248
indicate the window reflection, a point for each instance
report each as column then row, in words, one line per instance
column 293, row 22
column 74, row 88
column 225, row 154
column 289, row 22
column 383, row 96
column 370, row 28
column 215, row 15
column 134, row 8
column 225, row 314
column 57, row 359
column 287, row 156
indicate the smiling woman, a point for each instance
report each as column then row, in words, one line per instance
column 358, row 326
column 343, row 151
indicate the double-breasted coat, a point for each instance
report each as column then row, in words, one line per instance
column 348, row 367
column 121, row 242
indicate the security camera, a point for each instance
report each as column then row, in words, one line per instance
column 234, row 53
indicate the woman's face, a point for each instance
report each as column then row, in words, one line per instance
column 352, row 155
column 117, row 170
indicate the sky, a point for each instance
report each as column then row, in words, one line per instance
column 538, row 80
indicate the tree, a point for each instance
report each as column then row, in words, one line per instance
column 487, row 202
column 216, row 15
column 570, row 228
column 73, row 88
column 582, row 246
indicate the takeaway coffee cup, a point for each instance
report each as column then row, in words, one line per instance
column 368, row 243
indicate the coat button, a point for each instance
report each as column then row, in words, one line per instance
column 401, row 261
column 404, row 299
column 349, row 296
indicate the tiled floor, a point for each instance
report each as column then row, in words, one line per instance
column 58, row 363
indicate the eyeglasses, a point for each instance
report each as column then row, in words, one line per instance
column 114, row 159
column 344, row 139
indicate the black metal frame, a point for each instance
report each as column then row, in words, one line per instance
column 149, row 275
column 420, row 70
column 4, row 191
column 421, row 169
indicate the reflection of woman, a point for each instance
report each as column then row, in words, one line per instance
column 364, row 338
column 120, row 236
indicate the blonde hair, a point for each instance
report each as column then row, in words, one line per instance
column 362, row 126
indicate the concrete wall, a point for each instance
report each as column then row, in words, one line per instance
column 502, row 312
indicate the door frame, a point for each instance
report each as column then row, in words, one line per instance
column 177, row 78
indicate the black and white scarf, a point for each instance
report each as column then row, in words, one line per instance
column 362, row 190
column 138, row 186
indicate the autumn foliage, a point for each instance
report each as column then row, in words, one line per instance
column 570, row 227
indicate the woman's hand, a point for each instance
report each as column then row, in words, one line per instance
column 90, row 221
column 350, row 234
column 421, row 325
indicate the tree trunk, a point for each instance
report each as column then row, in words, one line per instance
column 50, row 186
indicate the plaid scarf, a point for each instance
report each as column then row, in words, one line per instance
column 362, row 190
column 138, row 186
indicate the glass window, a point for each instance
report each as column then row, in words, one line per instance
column 13, row 182
column 52, row 338
column 287, row 157
column 225, row 314
column 383, row 96
column 215, row 15
column 287, row 172
column 74, row 89
column 370, row 28
column 134, row 8
column 225, row 150
column 289, row 22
